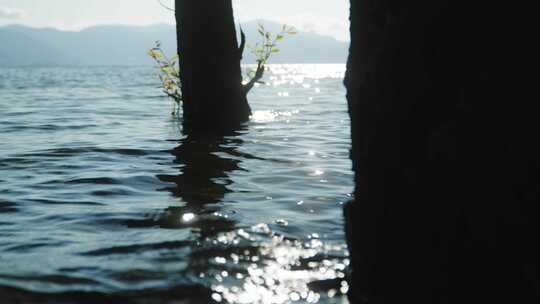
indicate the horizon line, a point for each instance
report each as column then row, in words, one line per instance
column 149, row 25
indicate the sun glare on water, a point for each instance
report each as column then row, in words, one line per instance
column 280, row 270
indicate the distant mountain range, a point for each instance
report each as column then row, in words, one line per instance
column 128, row 45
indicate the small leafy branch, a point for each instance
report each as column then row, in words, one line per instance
column 169, row 70
column 169, row 74
column 267, row 46
column 263, row 50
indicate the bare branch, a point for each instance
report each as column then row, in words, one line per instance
column 242, row 43
column 165, row 6
column 258, row 75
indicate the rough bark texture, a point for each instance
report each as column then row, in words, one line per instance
column 448, row 181
column 210, row 66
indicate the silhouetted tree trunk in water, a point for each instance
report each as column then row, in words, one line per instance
column 447, row 193
column 213, row 97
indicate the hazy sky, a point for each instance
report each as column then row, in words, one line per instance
column 328, row 17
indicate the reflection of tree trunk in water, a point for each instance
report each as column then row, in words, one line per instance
column 447, row 190
column 206, row 163
column 202, row 183
column 213, row 97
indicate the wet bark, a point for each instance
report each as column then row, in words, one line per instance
column 213, row 97
column 447, row 179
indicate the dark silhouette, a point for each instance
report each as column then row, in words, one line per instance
column 447, row 179
column 213, row 95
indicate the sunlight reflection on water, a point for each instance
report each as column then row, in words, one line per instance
column 280, row 270
column 270, row 115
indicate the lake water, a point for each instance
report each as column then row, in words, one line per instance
column 103, row 199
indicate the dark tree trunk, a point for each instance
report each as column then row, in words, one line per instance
column 447, row 179
column 213, row 98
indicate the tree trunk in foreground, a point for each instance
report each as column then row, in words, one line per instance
column 213, row 99
column 447, row 179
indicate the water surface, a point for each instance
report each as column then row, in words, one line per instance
column 103, row 198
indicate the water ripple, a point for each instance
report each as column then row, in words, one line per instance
column 104, row 200
column 131, row 249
